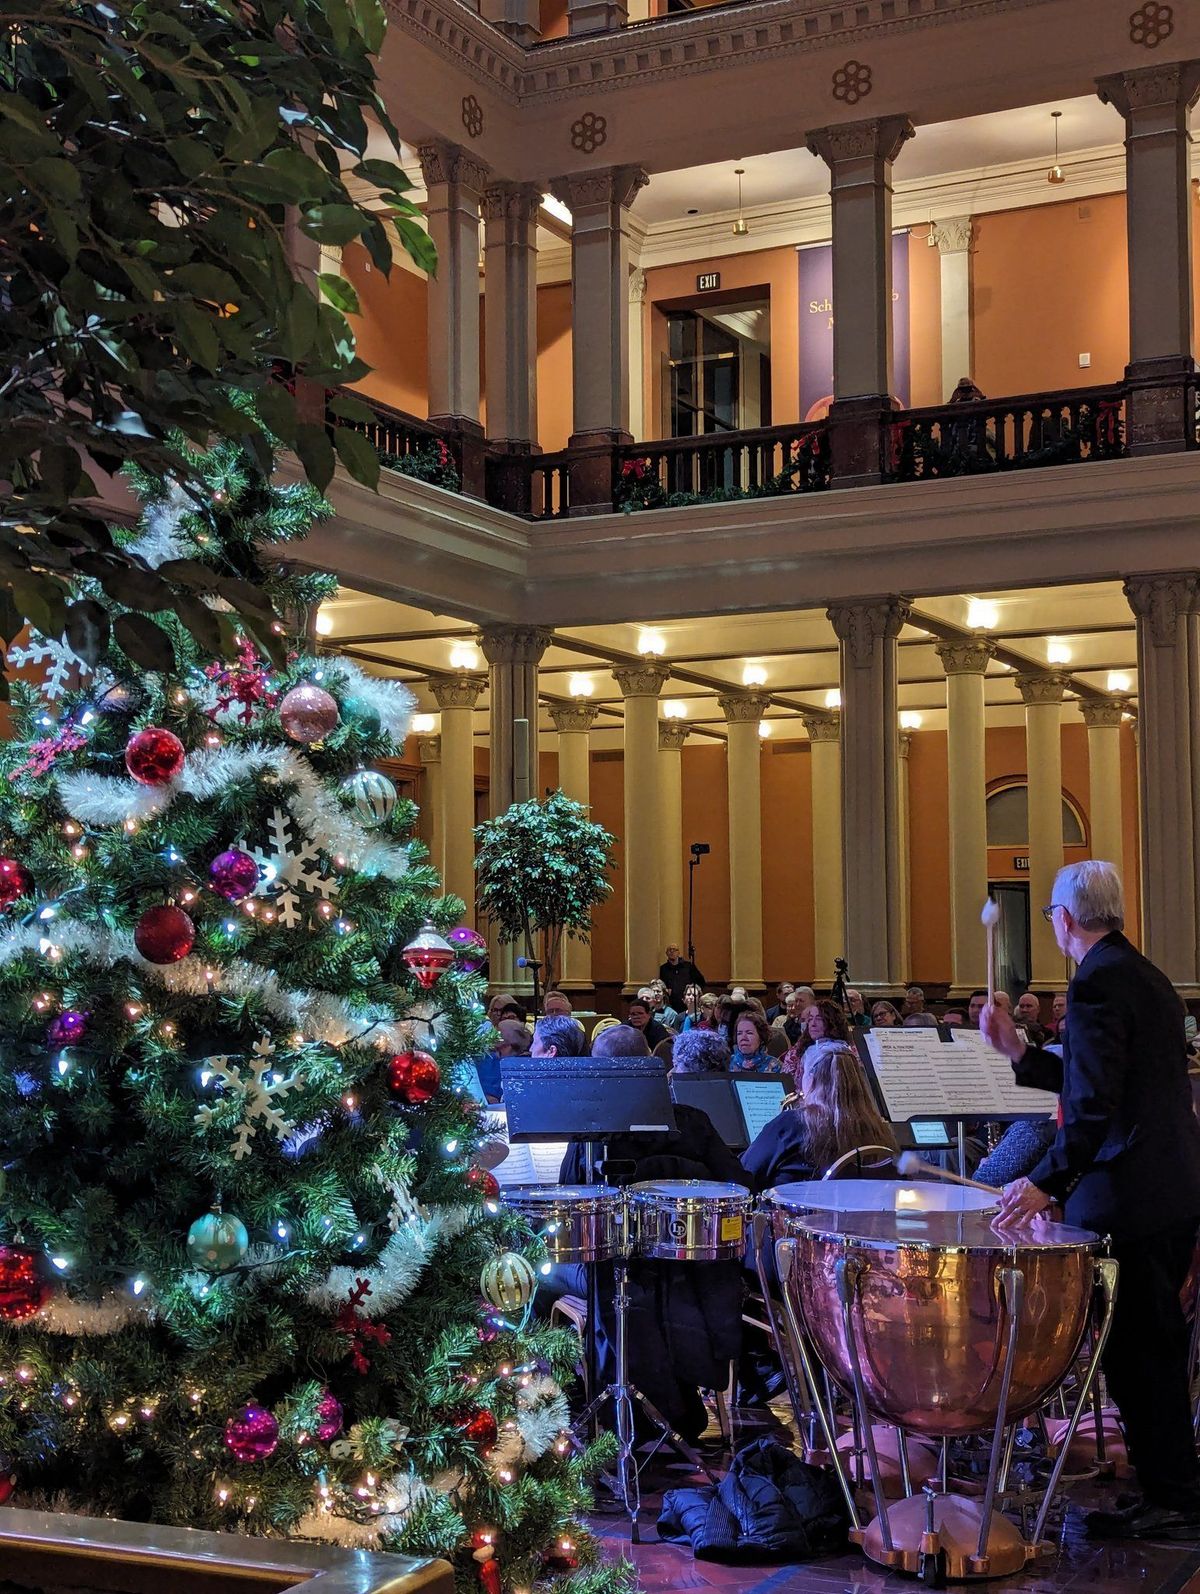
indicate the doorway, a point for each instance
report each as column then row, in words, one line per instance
column 716, row 379
column 1013, row 968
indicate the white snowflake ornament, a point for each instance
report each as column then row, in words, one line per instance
column 291, row 869
column 62, row 670
column 259, row 1089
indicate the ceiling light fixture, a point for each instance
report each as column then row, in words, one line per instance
column 1057, row 652
column 580, row 685
column 464, row 656
column 740, row 228
column 1055, row 174
column 673, row 709
column 651, row 644
column 910, row 720
column 754, row 675
column 323, row 625
column 424, row 724
column 1118, row 681
column 833, row 698
column 764, row 729
column 981, row 615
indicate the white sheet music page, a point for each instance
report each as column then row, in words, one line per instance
column 908, row 1066
column 1004, row 1094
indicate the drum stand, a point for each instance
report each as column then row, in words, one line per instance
column 938, row 1535
column 622, row 1393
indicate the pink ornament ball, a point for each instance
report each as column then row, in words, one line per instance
column 233, row 874
column 329, row 1417
column 308, row 714
column 14, row 882
column 251, row 1434
column 68, row 1029
column 154, row 756
column 164, row 934
column 470, row 948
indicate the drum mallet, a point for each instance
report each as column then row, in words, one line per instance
column 910, row 1165
column 991, row 918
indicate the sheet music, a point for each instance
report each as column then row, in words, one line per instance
column 922, row 1076
column 532, row 1162
column 761, row 1101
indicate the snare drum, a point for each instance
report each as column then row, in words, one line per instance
column 579, row 1222
column 688, row 1220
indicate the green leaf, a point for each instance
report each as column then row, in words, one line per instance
column 340, row 293
column 201, row 623
column 333, row 224
column 87, row 630
column 417, row 243
column 316, row 455
column 357, row 454
column 144, row 642
column 349, row 408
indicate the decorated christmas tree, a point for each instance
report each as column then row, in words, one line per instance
column 253, row 1271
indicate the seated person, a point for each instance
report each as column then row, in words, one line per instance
column 700, row 1051
column 685, row 1318
column 885, row 1015
column 557, row 1004
column 640, row 1015
column 558, row 1035
column 512, row 1040
column 703, row 1014
column 824, row 1022
column 1018, row 1151
column 751, row 1052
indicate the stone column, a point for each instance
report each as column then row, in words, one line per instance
column 513, row 653
column 573, row 722
column 598, row 202
column 860, row 156
column 640, row 686
column 456, row 696
column 904, row 956
column 965, row 663
column 520, row 19
column 1103, row 717
column 637, row 354
column 671, row 736
column 1042, row 695
column 510, row 338
column 454, row 181
column 432, row 824
column 743, row 711
column 829, row 917
column 1155, row 101
column 1168, row 646
column 953, row 239
column 867, row 632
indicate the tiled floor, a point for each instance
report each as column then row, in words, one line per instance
column 1075, row 1563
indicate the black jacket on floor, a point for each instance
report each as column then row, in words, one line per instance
column 1126, row 1160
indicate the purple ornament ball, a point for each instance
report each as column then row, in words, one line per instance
column 251, row 1434
column 470, row 948
column 233, row 874
column 329, row 1417
column 68, row 1029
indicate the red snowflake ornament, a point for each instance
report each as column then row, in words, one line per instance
column 359, row 1330
column 245, row 683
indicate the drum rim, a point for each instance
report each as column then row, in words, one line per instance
column 686, row 1190
column 555, row 1194
column 873, row 1242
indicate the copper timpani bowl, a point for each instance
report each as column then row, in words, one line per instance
column 927, row 1313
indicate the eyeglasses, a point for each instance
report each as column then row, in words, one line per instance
column 1048, row 911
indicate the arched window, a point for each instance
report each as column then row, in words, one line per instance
column 1008, row 818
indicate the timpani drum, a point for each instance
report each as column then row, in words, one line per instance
column 688, row 1220
column 578, row 1222
column 919, row 1297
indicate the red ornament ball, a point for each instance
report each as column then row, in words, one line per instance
column 308, row 714
column 414, row 1077
column 233, row 874
column 329, row 1417
column 428, row 955
column 164, row 934
column 486, row 1182
column 14, row 882
column 154, row 756
column 480, row 1429
column 8, row 1480
column 23, row 1290
column 251, row 1434
column 489, row 1576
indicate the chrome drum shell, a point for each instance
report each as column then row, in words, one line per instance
column 578, row 1222
column 688, row 1220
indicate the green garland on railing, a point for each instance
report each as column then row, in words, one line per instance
column 432, row 462
column 638, row 486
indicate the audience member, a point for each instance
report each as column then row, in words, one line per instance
column 751, row 1033
column 857, row 1008
column 704, row 1015
column 557, row 1035
column 884, row 1014
column 512, row 1040
column 619, row 1040
column 1004, row 1002
column 676, row 974
column 954, row 1018
column 920, row 1021
column 782, row 991
column 825, row 1024
column 975, row 1006
column 503, row 1005
column 700, row 1051
column 1058, row 1012
column 1028, row 1009
column 914, row 1000
column 791, row 1022
column 640, row 1015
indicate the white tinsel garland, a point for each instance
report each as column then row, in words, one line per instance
column 391, row 700
column 111, row 800
column 398, row 1495
column 114, row 1311
column 401, row 1262
column 318, row 1015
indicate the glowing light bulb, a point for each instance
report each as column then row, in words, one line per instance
column 580, row 685
column 324, row 623
column 910, row 720
column 651, row 644
column 982, row 614
column 833, row 698
column 754, row 675
column 764, row 729
column 1057, row 651
column 464, row 656
column 424, row 724
column 1118, row 681
column 673, row 709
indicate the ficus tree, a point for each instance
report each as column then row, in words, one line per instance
column 158, row 165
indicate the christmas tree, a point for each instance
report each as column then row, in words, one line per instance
column 253, row 1271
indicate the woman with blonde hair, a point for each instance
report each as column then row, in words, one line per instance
column 837, row 1114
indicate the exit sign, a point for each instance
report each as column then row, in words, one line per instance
column 1021, row 865
column 707, row 281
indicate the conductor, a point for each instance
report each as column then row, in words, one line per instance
column 1125, row 1163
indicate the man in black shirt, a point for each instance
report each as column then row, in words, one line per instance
column 677, row 973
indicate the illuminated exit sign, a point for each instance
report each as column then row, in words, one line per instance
column 707, row 281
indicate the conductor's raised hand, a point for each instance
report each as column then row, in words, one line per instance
column 997, row 1028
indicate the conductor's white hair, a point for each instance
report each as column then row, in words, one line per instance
column 1091, row 893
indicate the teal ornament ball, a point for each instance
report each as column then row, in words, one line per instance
column 508, row 1282
column 373, row 795
column 217, row 1241
column 362, row 714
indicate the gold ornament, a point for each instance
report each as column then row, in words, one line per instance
column 508, row 1282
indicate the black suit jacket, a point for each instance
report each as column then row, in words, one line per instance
column 1126, row 1160
column 677, row 977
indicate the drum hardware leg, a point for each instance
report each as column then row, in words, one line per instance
column 1012, row 1285
column 847, row 1275
column 799, row 1396
column 1107, row 1279
column 785, row 1256
column 944, row 1467
column 1006, row 1464
column 905, row 1475
column 1104, row 1467
column 931, row 1543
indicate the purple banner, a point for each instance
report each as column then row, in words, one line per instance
column 816, row 326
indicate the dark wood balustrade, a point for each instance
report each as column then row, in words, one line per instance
column 978, row 437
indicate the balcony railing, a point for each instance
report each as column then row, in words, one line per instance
column 964, row 439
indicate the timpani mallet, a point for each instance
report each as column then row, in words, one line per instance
column 910, row 1165
column 991, row 918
